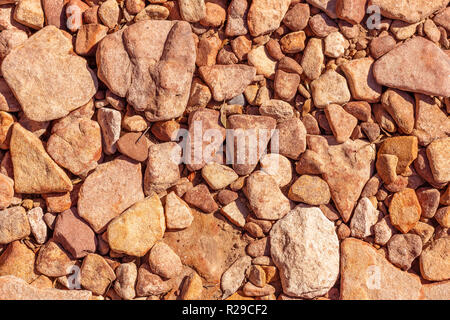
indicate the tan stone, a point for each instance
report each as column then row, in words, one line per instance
column 29, row 13
column 435, row 260
column 404, row 210
column 18, row 260
column 404, row 147
column 96, row 274
column 330, row 87
column 341, row 122
column 438, row 153
column 310, row 190
column 177, row 212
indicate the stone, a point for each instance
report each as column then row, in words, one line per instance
column 257, row 276
column 404, row 147
column 201, row 198
column 329, row 88
column 434, row 260
column 149, row 283
column 162, row 170
column 297, row 17
column 8, row 101
column 292, row 138
column 126, row 275
column 215, row 13
column 134, row 145
column 250, row 290
column 328, row 6
column 96, row 274
column 311, row 190
column 400, row 106
column 200, row 93
column 381, row 45
column 65, row 81
column 361, row 80
column 58, row 202
column 265, row 16
column 313, row 58
column 163, row 261
column 265, row 198
column 161, row 91
column 341, row 122
column 404, row 210
column 383, row 231
column 417, row 65
column 429, row 201
column 227, row 81
column 74, row 234
column 74, row 13
column 437, row 154
column 134, row 6
column 110, row 189
column 352, row 11
column 442, row 216
column 234, row 276
column 424, row 231
column 18, row 260
column 29, row 13
column 442, row 18
column 349, row 166
column 241, row 47
column 13, row 288
column 177, row 212
column 88, row 36
column 368, row 275
column 226, row 196
column 436, row 291
column 192, row 10
column 236, row 212
column 431, row 122
column 321, row 25
column 10, row 39
column 192, row 288
column 305, row 273
column 218, row 176
column 277, row 109
column 412, row 12
column 53, row 261
column 37, row 224
column 335, row 45
column 237, row 18
column 109, row 13
column 261, row 60
column 422, row 167
column 403, row 30
column 110, row 123
column 365, row 217
column 14, row 225
column 152, row 12
column 403, row 249
column 286, row 84
column 137, row 229
column 248, row 140
column 76, row 144
column 431, row 30
column 166, row 130
column 293, row 42
column 6, row 191
column 277, row 166
column 386, row 167
column 207, row 49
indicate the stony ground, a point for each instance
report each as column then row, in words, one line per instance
column 352, row 203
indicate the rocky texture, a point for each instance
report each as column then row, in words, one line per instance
column 404, row 210
column 413, row 11
column 265, row 16
column 234, row 276
column 365, row 217
column 329, row 88
column 14, row 225
column 434, row 260
column 403, row 249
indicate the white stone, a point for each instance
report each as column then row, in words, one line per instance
column 364, row 218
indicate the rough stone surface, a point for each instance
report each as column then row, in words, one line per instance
column 330, row 87
column 234, row 276
column 403, row 249
column 404, row 210
column 411, row 12
column 434, row 260
column 96, row 274
column 14, row 225
column 310, row 190
column 365, row 216
column 265, row 16
column 177, row 212
column 163, row 261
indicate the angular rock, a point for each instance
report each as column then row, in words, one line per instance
column 163, row 261
column 404, row 147
column 88, row 36
column 352, row 11
column 265, row 16
column 404, row 210
column 96, row 274
column 330, row 87
column 311, row 190
column 400, row 106
column 109, row 13
column 341, row 122
column 149, row 283
column 277, row 109
column 261, row 60
column 313, row 58
column 6, row 191
column 192, row 10
column 383, row 231
column 177, row 212
column 126, row 275
column 359, row 74
column 237, row 18
column 277, row 166
column 201, row 198
column 218, row 176
column 292, row 138
column 403, row 249
column 37, row 224
column 53, row 261
column 438, row 153
column 434, row 260
column 18, row 260
column 297, row 17
column 14, row 225
column 335, row 45
column 364, row 219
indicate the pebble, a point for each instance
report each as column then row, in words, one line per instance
column 424, row 231
column 286, row 84
column 37, row 224
column 277, row 109
column 250, row 290
column 321, row 25
column 278, row 167
column 234, row 276
column 292, row 138
column 403, row 249
column 381, row 45
column 404, row 147
column 163, row 261
column 236, row 212
column 437, row 154
column 18, row 260
column 297, row 17
column 352, row 11
column 149, row 284
column 415, row 11
column 293, row 42
column 305, row 273
column 201, row 198
column 152, row 12
column 134, row 145
column 53, row 261
column 6, row 191
column 404, row 210
column 335, row 45
column 96, row 274
column 442, row 216
column 192, row 10
column 192, row 288
column 310, row 190
column 341, row 122
column 313, row 58
column 434, row 260
column 126, row 275
column 429, row 201
column 177, row 212
column 237, row 18
column 400, row 106
column 329, row 88
column 365, row 217
column 14, row 225
column 87, row 38
column 218, row 176
column 109, row 13
column 29, row 13
column 264, row 16
column 262, row 61
column 386, row 168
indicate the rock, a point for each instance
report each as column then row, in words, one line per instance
column 192, row 11
column 328, row 6
column 305, row 273
column 310, row 190
column 8, row 101
column 226, row 196
column 192, row 288
column 96, row 274
column 386, row 167
column 249, row 139
column 65, row 81
column 137, row 229
column 74, row 13
column 18, row 260
column 265, row 197
column 250, row 290
column 59, row 202
column 149, row 283
column 164, row 261
column 177, row 212
column 218, row 176
column 53, row 261
column 37, row 224
column 265, row 16
column 422, row 167
column 417, row 65
column 297, row 17
column 161, row 91
column 234, row 276
column 13, row 288
column 162, row 170
column 365, row 217
column 110, row 189
column 443, row 217
column 403, row 249
column 227, row 81
column 88, row 36
column 215, row 13
column 437, row 154
column 75, row 144
column 430, row 122
column 361, row 80
column 126, row 275
column 237, row 18
column 293, row 42
column 313, row 58
column 261, row 60
column 110, row 123
column 414, row 11
column 441, row 18
column 74, row 234
column 207, row 50
column 152, row 12
column 292, row 138
column 166, row 130
column 400, row 106
column 436, row 291
column 10, row 39
column 277, row 166
column 14, row 225
column 134, row 145
column 286, row 84
column 329, row 88
column 403, row 30
column 321, row 25
column 404, row 210
column 352, row 11
column 404, row 147
column 434, row 260
column 34, row 170
column 335, row 45
column 341, row 122
column 109, row 13
column 201, row 198
column 257, row 276
column 277, row 109
column 6, row 191
column 54, row 12
column 381, row 45
column 383, row 231
column 424, row 231
column 349, row 166
column 29, row 13
column 429, row 201
column 366, row 274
